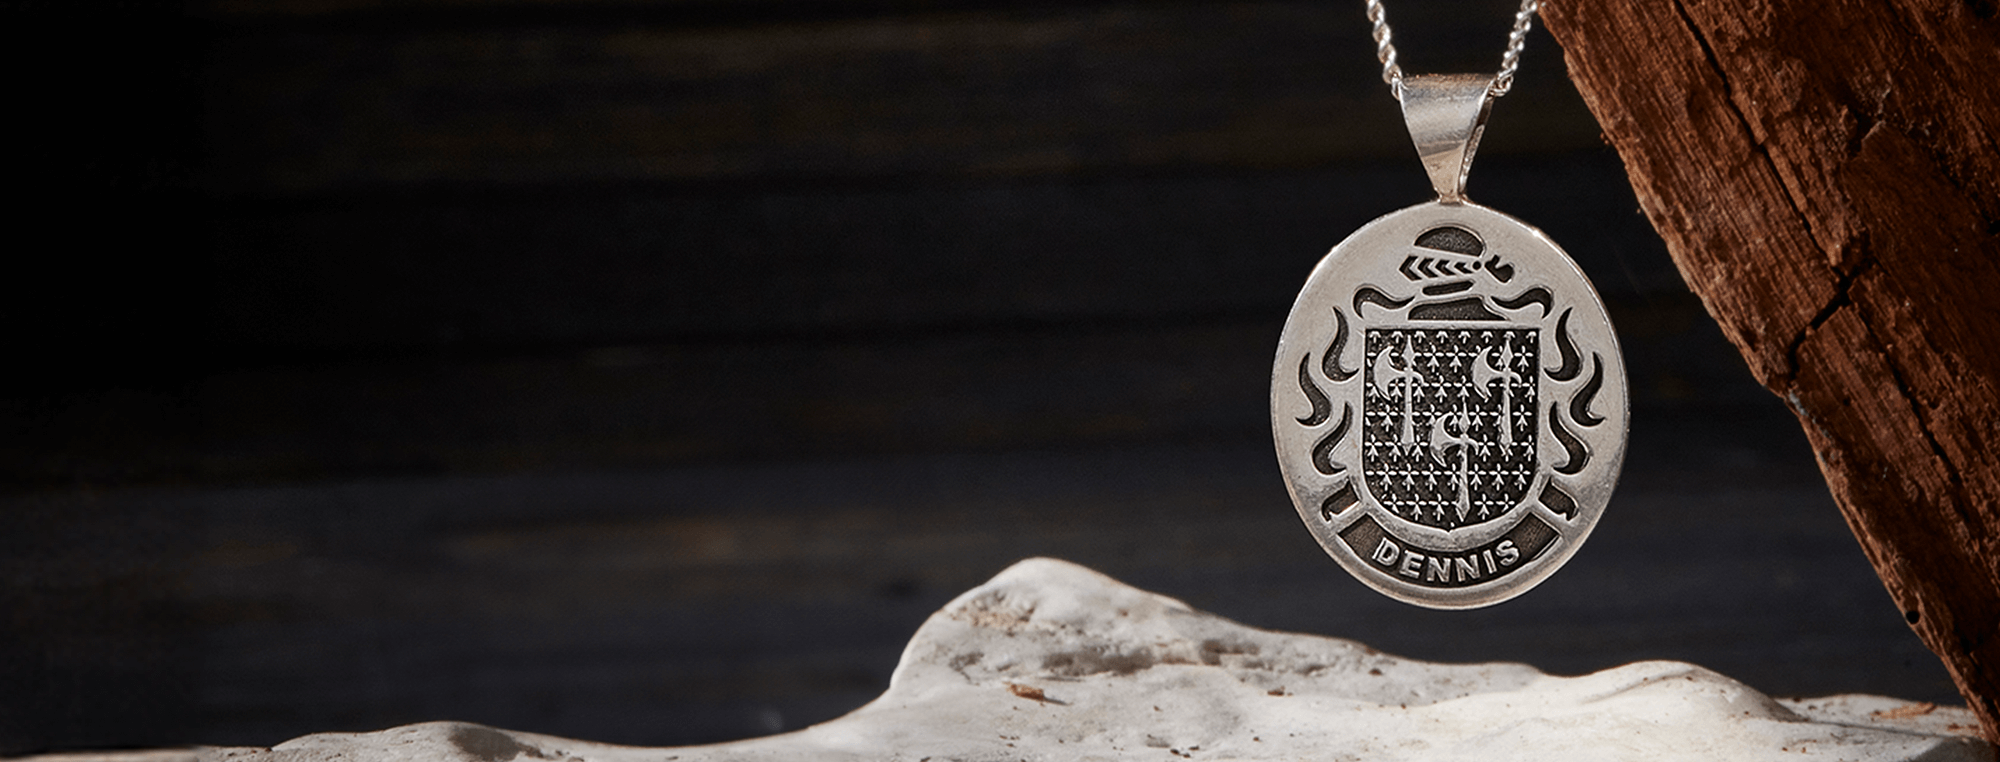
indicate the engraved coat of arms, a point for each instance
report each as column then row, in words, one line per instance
column 1451, row 399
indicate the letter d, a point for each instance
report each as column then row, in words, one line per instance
column 1387, row 552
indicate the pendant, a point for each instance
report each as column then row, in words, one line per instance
column 1448, row 400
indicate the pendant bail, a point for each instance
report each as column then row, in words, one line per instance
column 1446, row 114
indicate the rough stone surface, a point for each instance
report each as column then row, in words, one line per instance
column 1050, row 660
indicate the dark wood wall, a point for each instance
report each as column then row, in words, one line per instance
column 646, row 370
column 318, row 238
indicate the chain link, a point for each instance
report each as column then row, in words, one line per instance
column 1510, row 61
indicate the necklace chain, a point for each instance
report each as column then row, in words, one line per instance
column 1510, row 61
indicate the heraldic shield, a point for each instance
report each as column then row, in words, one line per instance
column 1448, row 405
column 1448, row 421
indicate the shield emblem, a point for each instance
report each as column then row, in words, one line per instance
column 1448, row 420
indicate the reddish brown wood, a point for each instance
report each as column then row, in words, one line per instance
column 1826, row 176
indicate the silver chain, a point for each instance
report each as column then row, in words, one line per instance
column 1510, row 61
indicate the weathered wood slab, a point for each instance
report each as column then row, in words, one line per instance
column 1827, row 177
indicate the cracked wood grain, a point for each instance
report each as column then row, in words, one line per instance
column 1827, row 178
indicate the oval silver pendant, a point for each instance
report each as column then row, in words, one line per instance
column 1449, row 405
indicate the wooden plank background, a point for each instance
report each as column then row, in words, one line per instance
column 646, row 371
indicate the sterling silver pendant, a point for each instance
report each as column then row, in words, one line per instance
column 1448, row 399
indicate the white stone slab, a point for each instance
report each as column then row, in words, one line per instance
column 1050, row 660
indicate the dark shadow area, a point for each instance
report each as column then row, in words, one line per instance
column 646, row 373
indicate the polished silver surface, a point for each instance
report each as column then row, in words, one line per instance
column 1446, row 114
column 1449, row 405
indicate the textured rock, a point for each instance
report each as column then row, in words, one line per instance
column 1050, row 660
